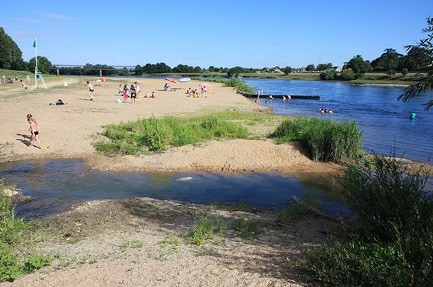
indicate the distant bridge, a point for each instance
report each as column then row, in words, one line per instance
column 94, row 67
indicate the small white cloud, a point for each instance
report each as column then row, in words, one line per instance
column 57, row 16
column 31, row 20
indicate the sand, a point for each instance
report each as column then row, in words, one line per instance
column 70, row 130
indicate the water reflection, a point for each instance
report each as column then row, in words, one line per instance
column 55, row 185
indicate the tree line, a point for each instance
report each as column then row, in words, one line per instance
column 417, row 59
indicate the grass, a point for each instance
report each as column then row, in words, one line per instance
column 14, row 263
column 324, row 140
column 157, row 134
column 247, row 230
column 205, row 229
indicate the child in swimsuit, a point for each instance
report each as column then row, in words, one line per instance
column 33, row 128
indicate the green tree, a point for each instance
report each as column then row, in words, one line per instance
column 183, row 69
column 329, row 74
column 44, row 65
column 323, row 67
column 286, row 70
column 310, row 68
column 138, row 70
column 234, row 72
column 10, row 54
column 388, row 62
column 416, row 59
column 358, row 66
column 424, row 51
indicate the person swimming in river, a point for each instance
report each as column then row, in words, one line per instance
column 326, row 111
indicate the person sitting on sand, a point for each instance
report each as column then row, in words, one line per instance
column 166, row 87
column 24, row 85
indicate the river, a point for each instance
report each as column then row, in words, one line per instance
column 383, row 120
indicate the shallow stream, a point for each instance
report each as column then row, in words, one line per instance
column 56, row 185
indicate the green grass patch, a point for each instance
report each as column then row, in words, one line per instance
column 12, row 262
column 248, row 230
column 204, row 229
column 157, row 134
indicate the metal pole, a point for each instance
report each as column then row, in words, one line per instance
column 36, row 63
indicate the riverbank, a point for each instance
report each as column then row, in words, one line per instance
column 70, row 130
column 141, row 242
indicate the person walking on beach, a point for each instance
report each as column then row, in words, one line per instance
column 33, row 128
column 91, row 90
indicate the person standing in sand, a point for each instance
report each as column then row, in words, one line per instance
column 91, row 90
column 33, row 128
column 137, row 89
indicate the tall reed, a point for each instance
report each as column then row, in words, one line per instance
column 324, row 140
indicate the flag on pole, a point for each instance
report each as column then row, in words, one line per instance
column 34, row 44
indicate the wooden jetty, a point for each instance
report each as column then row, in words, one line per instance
column 292, row 97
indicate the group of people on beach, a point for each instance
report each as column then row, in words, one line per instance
column 132, row 92
column 24, row 84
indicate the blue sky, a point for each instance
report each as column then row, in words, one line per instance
column 225, row 33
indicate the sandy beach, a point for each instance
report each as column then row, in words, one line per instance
column 70, row 130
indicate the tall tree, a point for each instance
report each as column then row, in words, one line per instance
column 424, row 51
column 387, row 62
column 358, row 66
column 44, row 65
column 11, row 56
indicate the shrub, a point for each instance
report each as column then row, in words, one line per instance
column 239, row 85
column 393, row 243
column 328, row 74
column 347, row 75
column 387, row 198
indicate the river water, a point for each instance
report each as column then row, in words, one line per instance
column 384, row 121
column 55, row 185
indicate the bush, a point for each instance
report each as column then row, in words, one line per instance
column 347, row 75
column 393, row 243
column 239, row 85
column 328, row 74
